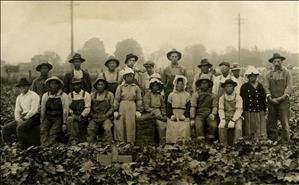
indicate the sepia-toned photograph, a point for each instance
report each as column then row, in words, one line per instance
column 149, row 92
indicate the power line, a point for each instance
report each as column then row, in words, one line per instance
column 72, row 26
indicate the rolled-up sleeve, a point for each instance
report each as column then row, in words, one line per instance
column 138, row 99
column 289, row 83
column 221, row 108
column 117, row 98
column 87, row 103
column 147, row 102
column 239, row 108
column 111, row 100
column 267, row 84
column 18, row 109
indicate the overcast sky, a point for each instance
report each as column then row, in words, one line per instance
column 29, row 28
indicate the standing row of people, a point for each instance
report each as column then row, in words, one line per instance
column 223, row 102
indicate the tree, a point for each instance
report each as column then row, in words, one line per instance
column 193, row 54
column 127, row 46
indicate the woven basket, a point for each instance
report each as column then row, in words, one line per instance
column 146, row 130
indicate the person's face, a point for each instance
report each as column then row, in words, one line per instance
column 174, row 58
column 77, row 63
column 156, row 87
column 44, row 70
column 112, row 65
column 131, row 62
column 77, row 87
column 129, row 78
column 252, row 78
column 100, row 86
column 205, row 68
column 224, row 69
column 277, row 63
column 24, row 89
column 236, row 73
column 149, row 69
column 229, row 88
column 204, row 85
column 54, row 85
column 180, row 86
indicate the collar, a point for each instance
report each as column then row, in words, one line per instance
column 28, row 92
column 59, row 92
column 229, row 97
column 79, row 93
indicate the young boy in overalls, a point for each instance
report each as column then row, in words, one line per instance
column 101, row 112
column 204, row 108
column 112, row 75
column 127, row 106
column 230, row 111
column 54, row 111
column 79, row 101
column 154, row 104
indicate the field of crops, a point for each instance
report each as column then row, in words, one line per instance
column 195, row 162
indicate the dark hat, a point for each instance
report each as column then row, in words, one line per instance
column 202, row 78
column 275, row 56
column 44, row 63
column 229, row 81
column 55, row 78
column 225, row 63
column 76, row 80
column 23, row 82
column 98, row 80
column 204, row 62
column 112, row 58
column 129, row 56
column 76, row 56
column 174, row 51
column 149, row 63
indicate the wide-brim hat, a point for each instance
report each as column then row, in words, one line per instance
column 98, row 80
column 252, row 70
column 203, row 78
column 174, row 51
column 205, row 62
column 129, row 56
column 55, row 78
column 149, row 63
column 224, row 64
column 275, row 56
column 39, row 66
column 229, row 81
column 235, row 66
column 23, row 82
column 112, row 58
column 75, row 57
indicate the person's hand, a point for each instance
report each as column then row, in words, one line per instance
column 211, row 116
column 182, row 118
column 192, row 122
column 138, row 114
column 273, row 100
column 222, row 124
column 173, row 118
column 231, row 124
column 71, row 112
column 116, row 115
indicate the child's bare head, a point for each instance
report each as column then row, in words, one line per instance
column 180, row 84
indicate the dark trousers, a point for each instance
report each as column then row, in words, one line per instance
column 277, row 112
column 27, row 131
column 50, row 129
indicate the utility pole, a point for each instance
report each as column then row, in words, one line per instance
column 239, row 37
column 72, row 27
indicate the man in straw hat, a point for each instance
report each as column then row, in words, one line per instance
column 38, row 84
column 101, row 112
column 154, row 104
column 26, row 115
column 278, row 87
column 54, row 111
column 127, row 106
column 205, row 69
column 254, row 105
column 80, row 102
column 111, row 75
column 204, row 108
column 236, row 77
column 77, row 73
column 230, row 109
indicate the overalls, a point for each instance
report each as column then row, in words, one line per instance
column 100, row 107
column 203, row 110
column 52, row 125
column 112, row 86
column 229, row 136
column 76, row 126
column 278, row 111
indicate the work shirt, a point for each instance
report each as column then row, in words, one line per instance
column 67, row 80
column 110, row 76
column 39, row 86
column 278, row 83
column 128, row 92
column 105, row 98
column 79, row 96
column 168, row 76
column 197, row 77
column 27, row 104
column 203, row 104
column 137, row 75
column 78, row 74
column 145, row 80
column 239, row 81
column 153, row 101
column 65, row 103
column 238, row 106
